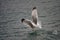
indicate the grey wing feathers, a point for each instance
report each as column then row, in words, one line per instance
column 34, row 15
column 28, row 22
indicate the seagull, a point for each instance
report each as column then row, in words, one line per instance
column 34, row 23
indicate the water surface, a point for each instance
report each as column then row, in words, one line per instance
column 12, row 11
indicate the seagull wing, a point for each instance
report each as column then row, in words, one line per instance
column 28, row 23
column 34, row 15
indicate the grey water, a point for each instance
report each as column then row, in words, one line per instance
column 12, row 11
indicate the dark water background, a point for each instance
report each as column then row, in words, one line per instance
column 12, row 11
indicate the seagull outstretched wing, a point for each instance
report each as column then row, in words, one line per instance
column 34, row 15
column 28, row 22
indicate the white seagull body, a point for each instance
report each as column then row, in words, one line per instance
column 34, row 23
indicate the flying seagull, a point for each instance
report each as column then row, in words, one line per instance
column 34, row 23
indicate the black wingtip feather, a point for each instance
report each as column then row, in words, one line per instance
column 34, row 8
column 22, row 19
